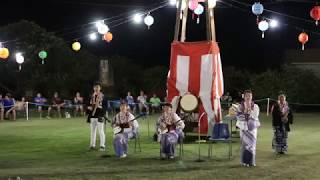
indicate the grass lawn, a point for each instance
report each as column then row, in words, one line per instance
column 58, row 149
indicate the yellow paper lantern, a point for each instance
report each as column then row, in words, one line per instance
column 4, row 53
column 76, row 46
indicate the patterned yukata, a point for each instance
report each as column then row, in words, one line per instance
column 170, row 129
column 281, row 118
column 120, row 141
column 248, row 123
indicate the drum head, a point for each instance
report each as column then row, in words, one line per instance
column 189, row 103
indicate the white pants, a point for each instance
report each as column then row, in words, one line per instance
column 94, row 124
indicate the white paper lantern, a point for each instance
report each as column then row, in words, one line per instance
column 148, row 20
column 263, row 26
column 212, row 3
column 199, row 10
column 19, row 58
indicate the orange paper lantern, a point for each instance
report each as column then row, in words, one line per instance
column 4, row 53
column 108, row 37
column 303, row 39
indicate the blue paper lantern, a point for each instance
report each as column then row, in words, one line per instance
column 257, row 8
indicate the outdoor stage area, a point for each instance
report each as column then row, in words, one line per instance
column 58, row 149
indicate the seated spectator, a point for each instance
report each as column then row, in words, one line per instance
column 78, row 102
column 21, row 105
column 130, row 102
column 1, row 108
column 57, row 104
column 155, row 103
column 40, row 103
column 142, row 100
column 9, row 106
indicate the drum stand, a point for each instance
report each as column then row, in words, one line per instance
column 199, row 139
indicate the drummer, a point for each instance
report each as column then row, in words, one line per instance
column 170, row 129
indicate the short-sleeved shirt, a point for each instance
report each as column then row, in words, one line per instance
column 142, row 99
column 78, row 100
column 130, row 99
column 155, row 101
column 57, row 100
column 39, row 101
column 7, row 103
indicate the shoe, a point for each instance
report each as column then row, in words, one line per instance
column 171, row 157
column 123, row 156
column 102, row 148
column 92, row 148
column 48, row 117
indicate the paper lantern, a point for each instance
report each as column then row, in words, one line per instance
column 43, row 55
column 76, row 46
column 4, row 53
column 315, row 13
column 303, row 39
column 263, row 26
column 198, row 11
column 193, row 4
column 212, row 3
column 257, row 8
column 148, row 20
column 19, row 60
column 108, row 37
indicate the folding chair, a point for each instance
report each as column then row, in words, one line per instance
column 137, row 141
column 220, row 133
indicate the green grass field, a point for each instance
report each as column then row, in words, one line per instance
column 58, row 149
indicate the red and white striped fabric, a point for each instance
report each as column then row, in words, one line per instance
column 196, row 68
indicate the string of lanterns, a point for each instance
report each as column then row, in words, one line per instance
column 263, row 25
column 195, row 6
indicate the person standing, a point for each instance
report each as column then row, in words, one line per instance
column 248, row 123
column 96, row 114
column 128, row 129
column 281, row 118
column 170, row 131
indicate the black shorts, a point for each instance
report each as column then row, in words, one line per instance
column 43, row 108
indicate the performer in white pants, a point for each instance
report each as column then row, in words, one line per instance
column 95, row 118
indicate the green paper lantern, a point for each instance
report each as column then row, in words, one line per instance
column 43, row 55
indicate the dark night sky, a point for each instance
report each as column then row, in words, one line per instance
column 239, row 39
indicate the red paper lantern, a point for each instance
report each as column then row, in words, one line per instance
column 108, row 37
column 303, row 39
column 315, row 13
